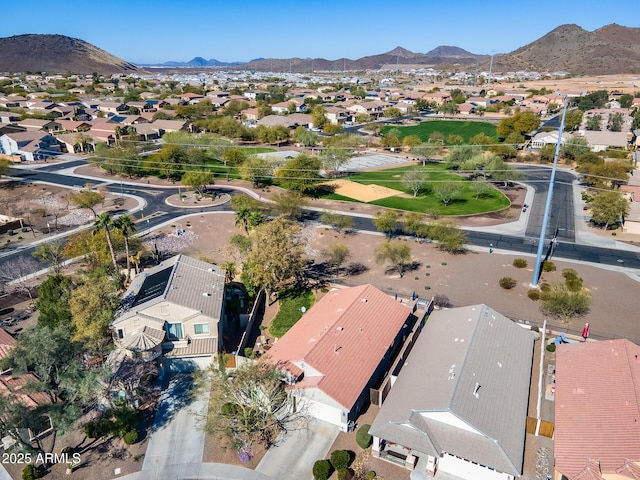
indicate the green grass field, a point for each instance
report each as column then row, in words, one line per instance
column 289, row 312
column 465, row 129
column 427, row 202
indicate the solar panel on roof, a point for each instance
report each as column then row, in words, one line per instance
column 153, row 286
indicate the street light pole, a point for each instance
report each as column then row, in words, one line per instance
column 547, row 208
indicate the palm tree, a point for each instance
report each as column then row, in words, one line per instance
column 105, row 222
column 127, row 227
column 242, row 218
column 230, row 269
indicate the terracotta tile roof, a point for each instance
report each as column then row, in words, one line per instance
column 597, row 406
column 342, row 340
column 6, row 342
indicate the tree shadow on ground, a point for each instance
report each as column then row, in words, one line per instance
column 355, row 268
column 409, row 267
column 179, row 393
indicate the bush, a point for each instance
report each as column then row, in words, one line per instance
column 92, row 429
column 30, row 472
column 551, row 347
column 371, row 474
column 10, row 232
column 229, row 410
column 508, row 283
column 340, row 459
column 548, row 266
column 568, row 273
column 321, row 470
column 24, row 229
column 574, row 284
column 131, row 437
column 520, row 263
column 544, row 287
column 363, row 438
column 344, row 474
column 534, row 294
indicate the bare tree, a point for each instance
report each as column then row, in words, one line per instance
column 17, row 273
column 415, row 180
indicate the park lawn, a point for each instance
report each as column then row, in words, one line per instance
column 466, row 129
column 465, row 204
column 392, row 177
column 256, row 150
column 290, row 312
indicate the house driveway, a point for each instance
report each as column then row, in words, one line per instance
column 175, row 436
column 294, row 454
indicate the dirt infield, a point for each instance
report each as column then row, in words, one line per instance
column 363, row 193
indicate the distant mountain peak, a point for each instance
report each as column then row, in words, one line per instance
column 449, row 51
column 57, row 53
column 401, row 52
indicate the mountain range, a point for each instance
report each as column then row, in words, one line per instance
column 57, row 53
column 607, row 50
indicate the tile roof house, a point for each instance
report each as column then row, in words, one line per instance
column 14, row 387
column 339, row 349
column 174, row 310
column 597, row 410
column 33, row 145
column 459, row 404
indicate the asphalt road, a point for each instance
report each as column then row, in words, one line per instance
column 156, row 211
column 562, row 213
column 562, row 216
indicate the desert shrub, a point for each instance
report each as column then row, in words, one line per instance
column 363, row 438
column 10, row 232
column 321, row 470
column 229, row 409
column 574, row 284
column 520, row 263
column 344, row 474
column 340, row 459
column 548, row 266
column 534, row 294
column 568, row 273
column 551, row 347
column 131, row 437
column 249, row 353
column 507, row 283
column 30, row 472
column 371, row 474
column 544, row 287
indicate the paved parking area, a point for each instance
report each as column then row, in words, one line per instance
column 175, row 436
column 293, row 457
column 372, row 161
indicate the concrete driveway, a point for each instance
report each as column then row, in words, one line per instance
column 294, row 454
column 175, row 436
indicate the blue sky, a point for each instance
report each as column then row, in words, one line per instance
column 146, row 31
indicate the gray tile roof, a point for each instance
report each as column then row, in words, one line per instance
column 196, row 347
column 180, row 280
column 461, row 349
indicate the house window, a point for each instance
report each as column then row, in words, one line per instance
column 201, row 328
column 174, row 330
column 120, row 333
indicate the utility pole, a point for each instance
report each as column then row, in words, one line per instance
column 547, row 208
column 490, row 69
